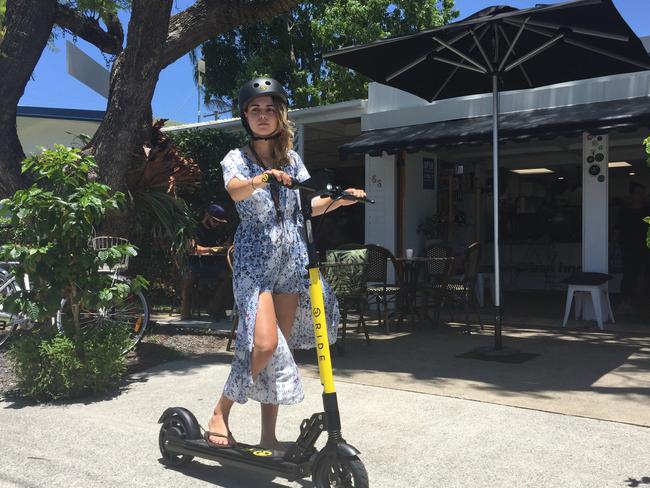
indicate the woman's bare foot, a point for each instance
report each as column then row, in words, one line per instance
column 220, row 433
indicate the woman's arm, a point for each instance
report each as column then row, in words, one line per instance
column 242, row 189
column 319, row 205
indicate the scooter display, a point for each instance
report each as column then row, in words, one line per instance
column 337, row 464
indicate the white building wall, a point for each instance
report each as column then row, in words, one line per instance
column 419, row 203
column 36, row 133
column 380, row 186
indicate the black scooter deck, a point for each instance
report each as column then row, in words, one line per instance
column 254, row 457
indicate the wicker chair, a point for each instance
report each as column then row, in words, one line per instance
column 461, row 289
column 379, row 290
column 437, row 268
column 345, row 271
column 435, row 289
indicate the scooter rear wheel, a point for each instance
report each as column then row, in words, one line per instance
column 174, row 426
column 341, row 472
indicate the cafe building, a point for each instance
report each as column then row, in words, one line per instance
column 569, row 154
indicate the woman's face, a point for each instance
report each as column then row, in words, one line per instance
column 262, row 116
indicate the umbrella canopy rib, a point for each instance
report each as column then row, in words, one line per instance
column 577, row 30
column 511, row 45
column 477, row 42
column 521, row 66
column 459, row 64
column 460, row 54
column 609, row 54
column 534, row 52
column 404, row 69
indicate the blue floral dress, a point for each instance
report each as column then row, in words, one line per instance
column 271, row 255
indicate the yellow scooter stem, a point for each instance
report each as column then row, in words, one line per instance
column 320, row 331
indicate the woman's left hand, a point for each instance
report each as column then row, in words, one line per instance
column 354, row 191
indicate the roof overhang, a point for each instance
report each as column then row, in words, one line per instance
column 324, row 113
column 518, row 126
column 61, row 113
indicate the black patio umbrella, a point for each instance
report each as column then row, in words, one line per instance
column 503, row 48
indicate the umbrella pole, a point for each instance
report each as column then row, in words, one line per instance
column 495, row 198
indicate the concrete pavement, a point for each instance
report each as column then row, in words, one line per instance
column 407, row 438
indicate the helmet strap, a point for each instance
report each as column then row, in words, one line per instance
column 264, row 138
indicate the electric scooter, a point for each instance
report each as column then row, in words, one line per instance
column 337, row 463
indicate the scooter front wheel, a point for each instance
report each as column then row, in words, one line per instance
column 341, row 472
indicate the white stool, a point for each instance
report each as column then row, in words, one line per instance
column 599, row 294
column 484, row 280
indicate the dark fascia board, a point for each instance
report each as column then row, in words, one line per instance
column 598, row 116
column 61, row 113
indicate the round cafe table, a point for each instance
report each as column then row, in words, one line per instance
column 410, row 269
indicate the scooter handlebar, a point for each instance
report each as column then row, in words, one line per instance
column 270, row 179
column 330, row 190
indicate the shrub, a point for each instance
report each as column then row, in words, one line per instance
column 52, row 221
column 50, row 366
column 50, row 224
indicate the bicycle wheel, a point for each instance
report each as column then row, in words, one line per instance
column 8, row 320
column 133, row 311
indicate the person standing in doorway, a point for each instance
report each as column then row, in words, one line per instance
column 206, row 260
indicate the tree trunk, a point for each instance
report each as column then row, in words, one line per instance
column 29, row 23
column 118, row 141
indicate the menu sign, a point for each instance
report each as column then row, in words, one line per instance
column 428, row 174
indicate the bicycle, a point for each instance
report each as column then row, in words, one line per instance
column 10, row 321
column 133, row 310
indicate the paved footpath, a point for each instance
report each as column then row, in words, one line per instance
column 407, row 439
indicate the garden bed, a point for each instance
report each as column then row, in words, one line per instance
column 161, row 344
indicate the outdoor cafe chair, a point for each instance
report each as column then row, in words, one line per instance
column 434, row 291
column 346, row 273
column 462, row 289
column 380, row 291
column 436, row 269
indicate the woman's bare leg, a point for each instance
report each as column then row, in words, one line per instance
column 269, row 418
column 265, row 341
column 265, row 337
column 218, row 422
column 285, row 311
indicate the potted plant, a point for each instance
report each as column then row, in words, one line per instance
column 432, row 228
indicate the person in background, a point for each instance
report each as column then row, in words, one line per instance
column 207, row 253
column 631, row 232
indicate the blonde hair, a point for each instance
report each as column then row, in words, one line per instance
column 287, row 129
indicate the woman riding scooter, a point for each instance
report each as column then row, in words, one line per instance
column 269, row 277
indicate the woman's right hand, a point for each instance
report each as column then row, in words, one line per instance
column 280, row 176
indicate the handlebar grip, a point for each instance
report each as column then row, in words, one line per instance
column 362, row 199
column 270, row 179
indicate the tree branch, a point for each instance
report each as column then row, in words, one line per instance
column 87, row 28
column 208, row 18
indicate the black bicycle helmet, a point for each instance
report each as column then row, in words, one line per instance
column 256, row 88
